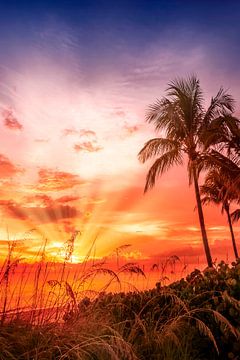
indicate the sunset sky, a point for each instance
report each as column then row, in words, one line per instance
column 76, row 78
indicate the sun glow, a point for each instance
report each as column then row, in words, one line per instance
column 56, row 244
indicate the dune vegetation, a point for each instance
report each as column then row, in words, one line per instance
column 192, row 318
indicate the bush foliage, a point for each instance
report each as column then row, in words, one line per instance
column 193, row 318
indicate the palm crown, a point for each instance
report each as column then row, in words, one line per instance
column 185, row 124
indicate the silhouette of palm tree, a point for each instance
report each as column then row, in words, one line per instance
column 184, row 122
column 222, row 136
column 215, row 191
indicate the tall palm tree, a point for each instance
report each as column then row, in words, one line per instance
column 215, row 190
column 183, row 121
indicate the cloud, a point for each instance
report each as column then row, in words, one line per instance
column 82, row 133
column 131, row 129
column 38, row 214
column 10, row 120
column 88, row 146
column 52, row 214
column 7, row 168
column 46, row 200
column 38, row 200
column 95, row 201
column 88, row 143
column 13, row 210
column 88, row 133
column 67, row 198
column 70, row 131
column 68, row 226
column 220, row 249
column 184, row 250
column 51, row 180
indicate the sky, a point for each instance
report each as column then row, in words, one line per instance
column 76, row 80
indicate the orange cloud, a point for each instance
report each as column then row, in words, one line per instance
column 38, row 214
column 221, row 249
column 10, row 121
column 87, row 146
column 46, row 200
column 70, row 131
column 88, row 133
column 131, row 129
column 81, row 133
column 68, row 226
column 13, row 210
column 38, row 200
column 67, row 198
column 7, row 168
column 51, row 180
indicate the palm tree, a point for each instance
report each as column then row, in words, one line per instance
column 216, row 191
column 224, row 132
column 222, row 136
column 183, row 120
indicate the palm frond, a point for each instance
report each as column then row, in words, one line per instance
column 235, row 216
column 223, row 131
column 165, row 115
column 216, row 190
column 216, row 160
column 155, row 147
column 221, row 103
column 206, row 200
column 230, row 170
column 188, row 95
column 161, row 165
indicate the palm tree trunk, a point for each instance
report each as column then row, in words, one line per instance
column 232, row 233
column 201, row 220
